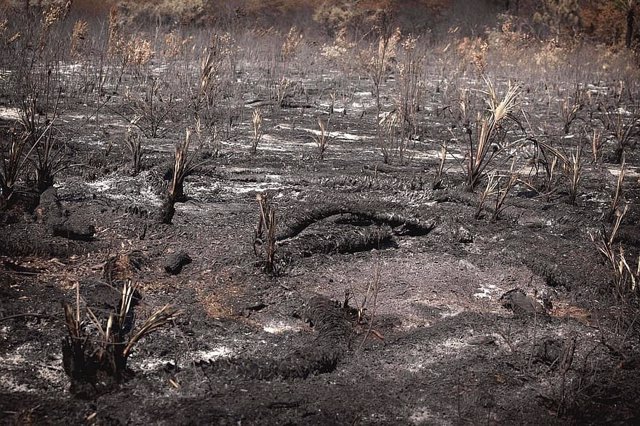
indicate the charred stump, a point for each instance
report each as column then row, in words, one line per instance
column 95, row 352
column 167, row 210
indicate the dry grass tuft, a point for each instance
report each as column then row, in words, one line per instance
column 474, row 51
column 487, row 127
column 78, row 37
column 322, row 140
column 291, row 44
column 256, row 122
column 366, row 305
column 617, row 195
column 12, row 166
column 54, row 13
column 265, row 233
column 182, row 166
column 499, row 188
column 626, row 278
column 133, row 141
column 572, row 168
column 96, row 351
column 116, row 39
column 138, row 51
column 214, row 58
column 340, row 47
column 175, row 45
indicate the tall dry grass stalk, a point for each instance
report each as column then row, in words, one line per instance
column 256, row 122
column 617, row 195
column 150, row 106
column 214, row 58
column 291, row 44
column 12, row 166
column 54, row 13
column 180, row 166
column 596, row 145
column 322, row 139
column 572, row 168
column 409, row 68
column 183, row 165
column 138, row 51
column 624, row 128
column 625, row 277
column 163, row 316
column 133, row 141
column 283, row 90
column 265, row 233
column 116, row 39
column 368, row 308
column 570, row 107
column 482, row 152
column 208, row 72
column 495, row 186
column 546, row 156
column 175, row 44
column 390, row 138
column 377, row 63
column 89, row 356
column 39, row 134
column 474, row 51
column 339, row 49
column 438, row 179
column 79, row 37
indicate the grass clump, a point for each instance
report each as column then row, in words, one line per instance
column 95, row 351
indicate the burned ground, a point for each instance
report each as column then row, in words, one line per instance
column 469, row 318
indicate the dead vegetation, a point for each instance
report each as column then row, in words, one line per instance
column 96, row 350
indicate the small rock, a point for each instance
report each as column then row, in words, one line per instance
column 521, row 304
column 174, row 263
column 464, row 235
column 482, row 340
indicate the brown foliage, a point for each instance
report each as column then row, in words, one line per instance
column 604, row 21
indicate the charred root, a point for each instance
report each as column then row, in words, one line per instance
column 401, row 224
column 343, row 239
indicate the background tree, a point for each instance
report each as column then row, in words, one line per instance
column 559, row 17
column 609, row 21
column 628, row 7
